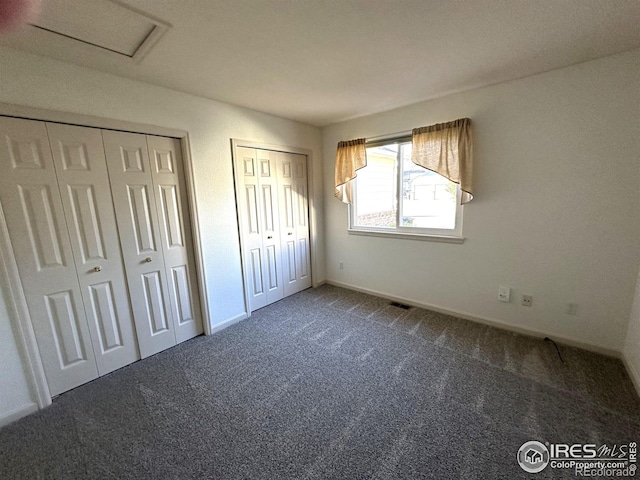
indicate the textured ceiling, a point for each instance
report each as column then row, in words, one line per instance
column 323, row 61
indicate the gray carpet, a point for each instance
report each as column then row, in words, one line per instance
column 329, row 383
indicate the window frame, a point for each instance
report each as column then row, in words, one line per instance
column 433, row 234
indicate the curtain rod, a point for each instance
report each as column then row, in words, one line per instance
column 389, row 136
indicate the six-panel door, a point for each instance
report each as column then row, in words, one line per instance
column 294, row 223
column 273, row 205
column 260, row 224
column 78, row 155
column 267, row 171
column 137, row 217
column 248, row 197
column 36, row 221
column 175, row 235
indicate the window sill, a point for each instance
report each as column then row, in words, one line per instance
column 408, row 236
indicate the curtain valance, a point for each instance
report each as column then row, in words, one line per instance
column 444, row 148
column 350, row 156
column 447, row 149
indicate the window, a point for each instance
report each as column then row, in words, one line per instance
column 395, row 196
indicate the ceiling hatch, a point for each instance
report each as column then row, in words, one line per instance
column 107, row 25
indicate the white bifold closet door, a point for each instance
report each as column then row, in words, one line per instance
column 66, row 245
column 151, row 208
column 273, row 211
column 294, row 221
column 175, row 232
column 80, row 165
column 260, row 223
column 99, row 224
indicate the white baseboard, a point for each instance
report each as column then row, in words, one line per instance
column 227, row 323
column 633, row 373
column 487, row 321
column 18, row 413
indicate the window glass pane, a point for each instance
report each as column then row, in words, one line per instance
column 428, row 199
column 376, row 188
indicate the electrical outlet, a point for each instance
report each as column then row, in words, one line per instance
column 572, row 309
column 527, row 300
column 341, row 266
column 504, row 294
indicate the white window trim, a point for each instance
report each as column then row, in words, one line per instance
column 411, row 233
column 406, row 236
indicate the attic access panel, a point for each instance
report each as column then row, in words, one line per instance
column 100, row 24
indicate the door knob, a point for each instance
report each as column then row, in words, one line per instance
column 148, row 259
column 290, row 233
column 97, row 269
column 269, row 237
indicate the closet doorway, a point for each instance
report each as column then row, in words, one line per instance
column 109, row 269
column 273, row 206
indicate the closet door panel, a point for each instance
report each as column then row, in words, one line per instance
column 287, row 221
column 248, row 196
column 137, row 219
column 175, row 234
column 301, row 220
column 267, row 162
column 81, row 169
column 293, row 213
column 35, row 218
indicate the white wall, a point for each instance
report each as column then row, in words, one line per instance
column 35, row 81
column 631, row 350
column 557, row 176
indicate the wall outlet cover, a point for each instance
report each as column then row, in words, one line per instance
column 504, row 294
